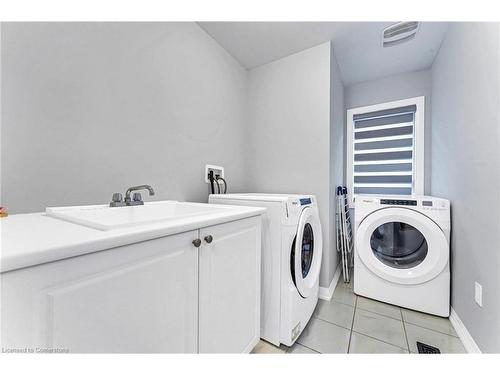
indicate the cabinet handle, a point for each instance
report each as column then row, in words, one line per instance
column 197, row 242
column 208, row 238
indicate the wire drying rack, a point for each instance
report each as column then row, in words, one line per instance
column 344, row 233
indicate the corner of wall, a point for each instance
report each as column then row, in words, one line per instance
column 336, row 170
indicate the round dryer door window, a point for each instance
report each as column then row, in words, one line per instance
column 399, row 245
column 305, row 259
column 402, row 245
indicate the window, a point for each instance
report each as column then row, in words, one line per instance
column 385, row 148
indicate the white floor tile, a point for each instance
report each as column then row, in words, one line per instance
column 379, row 307
column 364, row 344
column 344, row 295
column 380, row 327
column 335, row 312
column 435, row 323
column 325, row 337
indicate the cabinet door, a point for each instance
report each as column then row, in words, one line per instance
column 229, row 287
column 139, row 298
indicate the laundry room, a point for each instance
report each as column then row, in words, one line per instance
column 242, row 186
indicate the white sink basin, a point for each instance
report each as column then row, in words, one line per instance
column 104, row 217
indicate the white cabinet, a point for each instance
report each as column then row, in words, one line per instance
column 229, row 290
column 159, row 296
column 138, row 298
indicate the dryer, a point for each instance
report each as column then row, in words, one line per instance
column 291, row 261
column 402, row 248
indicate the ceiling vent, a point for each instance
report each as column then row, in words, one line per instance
column 399, row 33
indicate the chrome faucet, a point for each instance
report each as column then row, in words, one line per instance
column 136, row 199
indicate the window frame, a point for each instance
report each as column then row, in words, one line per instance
column 418, row 139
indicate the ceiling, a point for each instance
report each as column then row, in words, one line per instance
column 357, row 45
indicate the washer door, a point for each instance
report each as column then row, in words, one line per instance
column 402, row 245
column 306, row 252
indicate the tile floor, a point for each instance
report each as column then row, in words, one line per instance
column 354, row 324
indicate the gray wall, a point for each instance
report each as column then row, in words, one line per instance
column 0, row 116
column 289, row 131
column 397, row 87
column 89, row 109
column 466, row 169
column 337, row 135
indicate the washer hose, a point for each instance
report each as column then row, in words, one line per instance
column 224, row 181
column 211, row 178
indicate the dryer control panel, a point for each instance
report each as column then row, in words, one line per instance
column 399, row 202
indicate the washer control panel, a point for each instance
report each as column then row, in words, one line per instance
column 399, row 202
column 305, row 201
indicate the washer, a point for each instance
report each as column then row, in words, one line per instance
column 402, row 251
column 291, row 261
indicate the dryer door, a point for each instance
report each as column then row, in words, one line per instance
column 306, row 253
column 402, row 245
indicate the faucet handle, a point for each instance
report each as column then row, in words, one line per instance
column 137, row 197
column 117, row 197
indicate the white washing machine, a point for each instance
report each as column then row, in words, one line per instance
column 291, row 261
column 402, row 251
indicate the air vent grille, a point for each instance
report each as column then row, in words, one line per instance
column 399, row 33
column 427, row 349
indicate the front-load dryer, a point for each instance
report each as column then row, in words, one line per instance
column 291, row 261
column 402, row 251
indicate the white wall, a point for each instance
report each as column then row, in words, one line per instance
column 466, row 169
column 337, row 152
column 397, row 87
column 89, row 109
column 289, row 132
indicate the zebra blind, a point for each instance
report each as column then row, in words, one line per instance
column 383, row 151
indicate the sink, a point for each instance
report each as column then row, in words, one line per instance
column 103, row 217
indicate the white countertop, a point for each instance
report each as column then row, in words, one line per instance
column 31, row 239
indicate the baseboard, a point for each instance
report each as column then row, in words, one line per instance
column 463, row 333
column 327, row 293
